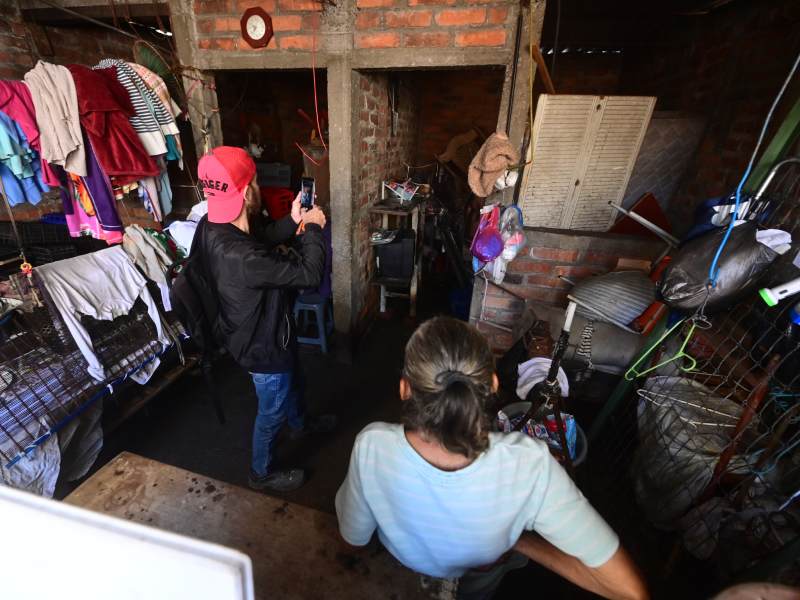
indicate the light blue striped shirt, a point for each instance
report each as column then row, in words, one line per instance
column 442, row 523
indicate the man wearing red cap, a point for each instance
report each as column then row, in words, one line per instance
column 252, row 287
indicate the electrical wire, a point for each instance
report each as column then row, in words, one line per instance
column 555, row 40
column 713, row 271
column 314, row 77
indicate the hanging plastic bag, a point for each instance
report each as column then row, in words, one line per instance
column 512, row 232
column 743, row 261
column 488, row 243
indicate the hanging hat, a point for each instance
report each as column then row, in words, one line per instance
column 224, row 175
column 492, row 160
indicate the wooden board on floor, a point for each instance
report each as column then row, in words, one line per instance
column 296, row 551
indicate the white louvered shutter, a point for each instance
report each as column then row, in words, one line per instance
column 583, row 151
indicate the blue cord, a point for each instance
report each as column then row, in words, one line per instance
column 713, row 271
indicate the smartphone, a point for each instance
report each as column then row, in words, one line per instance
column 307, row 192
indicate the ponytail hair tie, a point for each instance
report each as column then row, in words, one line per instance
column 448, row 378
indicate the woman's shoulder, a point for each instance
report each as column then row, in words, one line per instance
column 379, row 431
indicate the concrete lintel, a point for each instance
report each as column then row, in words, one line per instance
column 266, row 59
column 431, row 58
column 340, row 111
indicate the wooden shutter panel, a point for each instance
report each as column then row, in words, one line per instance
column 583, row 152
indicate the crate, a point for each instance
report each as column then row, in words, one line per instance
column 33, row 233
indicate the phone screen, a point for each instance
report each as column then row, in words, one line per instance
column 307, row 192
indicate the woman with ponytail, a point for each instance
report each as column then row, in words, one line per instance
column 451, row 499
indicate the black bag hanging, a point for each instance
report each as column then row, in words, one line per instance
column 743, row 261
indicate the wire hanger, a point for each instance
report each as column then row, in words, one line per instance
column 689, row 363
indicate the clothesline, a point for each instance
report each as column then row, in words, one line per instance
column 97, row 134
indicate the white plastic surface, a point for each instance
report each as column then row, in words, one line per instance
column 53, row 550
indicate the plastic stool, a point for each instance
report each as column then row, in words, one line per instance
column 323, row 311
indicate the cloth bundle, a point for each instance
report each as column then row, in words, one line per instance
column 492, row 160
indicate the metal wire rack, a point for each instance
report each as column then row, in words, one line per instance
column 709, row 458
column 43, row 377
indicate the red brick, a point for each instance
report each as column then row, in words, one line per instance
column 485, row 37
column 287, row 22
column 553, row 254
column 498, row 15
column 378, row 40
column 374, row 3
column 431, row 2
column 224, row 43
column 599, row 258
column 368, row 19
column 224, row 25
column 312, row 21
column 204, row 44
column 576, row 273
column 461, row 17
column 267, row 5
column 409, row 18
column 212, row 6
column 300, row 4
column 428, row 39
column 296, row 42
column 549, row 281
column 205, row 25
column 529, row 266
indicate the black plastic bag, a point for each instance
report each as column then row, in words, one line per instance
column 743, row 261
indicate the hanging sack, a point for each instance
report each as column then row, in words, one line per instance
column 488, row 243
column 743, row 260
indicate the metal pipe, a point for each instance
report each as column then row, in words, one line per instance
column 514, row 72
column 667, row 237
column 771, row 175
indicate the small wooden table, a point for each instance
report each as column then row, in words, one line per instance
column 296, row 551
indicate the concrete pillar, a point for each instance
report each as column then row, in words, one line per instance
column 532, row 16
column 340, row 113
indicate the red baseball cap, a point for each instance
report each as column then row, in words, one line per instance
column 224, row 175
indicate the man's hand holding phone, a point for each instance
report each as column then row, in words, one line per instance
column 315, row 216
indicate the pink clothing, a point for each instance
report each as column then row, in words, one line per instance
column 17, row 103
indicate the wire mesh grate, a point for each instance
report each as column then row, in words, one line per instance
column 712, row 454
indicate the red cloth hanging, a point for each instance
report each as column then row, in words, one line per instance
column 104, row 107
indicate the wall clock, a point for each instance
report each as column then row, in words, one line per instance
column 256, row 27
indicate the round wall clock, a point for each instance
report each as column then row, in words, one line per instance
column 256, row 27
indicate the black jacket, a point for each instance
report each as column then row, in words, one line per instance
column 238, row 291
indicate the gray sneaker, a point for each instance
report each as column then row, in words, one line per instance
column 278, row 481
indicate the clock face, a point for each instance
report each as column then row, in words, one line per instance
column 256, row 27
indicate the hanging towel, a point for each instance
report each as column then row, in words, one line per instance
column 150, row 257
column 20, row 167
column 57, row 116
column 155, row 83
column 103, row 285
column 151, row 121
column 105, row 108
column 534, row 371
column 492, row 160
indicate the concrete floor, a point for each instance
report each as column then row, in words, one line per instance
column 180, row 428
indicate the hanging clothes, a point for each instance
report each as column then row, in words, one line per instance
column 57, row 117
column 152, row 121
column 151, row 257
column 148, row 193
column 103, row 285
column 157, row 85
column 20, row 167
column 89, row 204
column 16, row 102
column 105, row 108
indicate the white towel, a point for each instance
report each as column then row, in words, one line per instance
column 103, row 285
column 534, row 371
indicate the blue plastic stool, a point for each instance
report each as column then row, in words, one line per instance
column 322, row 309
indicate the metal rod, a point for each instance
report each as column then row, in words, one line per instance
column 771, row 175
column 514, row 73
column 667, row 237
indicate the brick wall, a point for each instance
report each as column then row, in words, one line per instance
column 430, row 23
column 452, row 102
column 535, row 275
column 726, row 65
column 381, row 156
column 375, row 24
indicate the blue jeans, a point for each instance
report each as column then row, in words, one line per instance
column 278, row 400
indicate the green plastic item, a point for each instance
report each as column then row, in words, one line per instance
column 783, row 140
column 767, row 297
